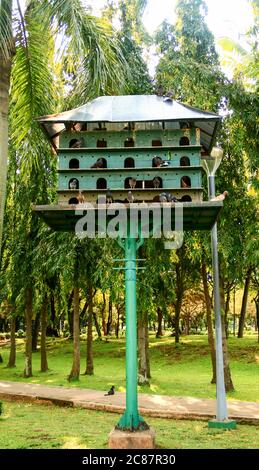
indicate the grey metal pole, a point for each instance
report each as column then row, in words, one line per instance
column 221, row 413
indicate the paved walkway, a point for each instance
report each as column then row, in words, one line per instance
column 150, row 405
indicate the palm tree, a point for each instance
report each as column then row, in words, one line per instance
column 32, row 40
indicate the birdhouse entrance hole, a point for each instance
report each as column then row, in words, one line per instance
column 101, row 143
column 129, row 142
column 101, row 183
column 73, row 200
column 73, row 183
column 129, row 163
column 186, row 199
column 184, row 141
column 74, row 163
column 186, row 182
column 156, row 143
column 185, row 161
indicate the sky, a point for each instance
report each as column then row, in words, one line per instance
column 225, row 17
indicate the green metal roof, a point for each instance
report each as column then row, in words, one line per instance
column 134, row 108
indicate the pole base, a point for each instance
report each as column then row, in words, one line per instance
column 132, row 423
column 131, row 440
column 227, row 424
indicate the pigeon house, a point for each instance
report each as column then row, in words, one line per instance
column 147, row 144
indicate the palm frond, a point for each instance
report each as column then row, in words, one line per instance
column 6, row 36
column 32, row 82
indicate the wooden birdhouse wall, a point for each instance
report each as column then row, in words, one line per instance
column 129, row 154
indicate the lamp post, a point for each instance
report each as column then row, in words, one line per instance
column 210, row 165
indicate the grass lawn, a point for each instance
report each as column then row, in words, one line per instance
column 30, row 426
column 182, row 370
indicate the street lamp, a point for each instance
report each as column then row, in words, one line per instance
column 210, row 165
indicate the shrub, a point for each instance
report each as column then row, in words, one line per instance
column 20, row 334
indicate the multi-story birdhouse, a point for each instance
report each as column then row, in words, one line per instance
column 131, row 149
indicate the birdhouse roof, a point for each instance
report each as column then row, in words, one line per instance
column 134, row 108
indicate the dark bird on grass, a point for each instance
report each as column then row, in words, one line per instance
column 109, row 197
column 130, row 197
column 156, row 182
column 80, row 197
column 132, row 183
column 111, row 391
column 100, row 163
column 220, row 197
column 163, row 197
column 73, row 184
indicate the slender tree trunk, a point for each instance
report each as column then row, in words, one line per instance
column 97, row 327
column 142, row 357
column 5, row 68
column 70, row 314
column 244, row 304
column 28, row 340
column 35, row 331
column 178, row 305
column 227, row 310
column 257, row 315
column 75, row 371
column 43, row 350
column 159, row 322
column 117, row 323
column 209, row 320
column 103, row 316
column 89, row 346
column 12, row 355
column 227, row 374
column 109, row 321
column 147, row 348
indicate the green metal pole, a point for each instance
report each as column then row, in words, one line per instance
column 131, row 419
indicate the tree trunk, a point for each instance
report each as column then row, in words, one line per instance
column 244, row 304
column 109, row 321
column 147, row 348
column 75, row 371
column 5, row 67
column 143, row 368
column 43, row 351
column 117, row 323
column 178, row 305
column 89, row 346
column 103, row 316
column 227, row 310
column 209, row 320
column 70, row 315
column 257, row 315
column 12, row 355
column 159, row 323
column 28, row 340
column 35, row 331
column 227, row 374
column 97, row 327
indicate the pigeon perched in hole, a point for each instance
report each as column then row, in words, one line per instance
column 171, row 198
column 163, row 197
column 221, row 197
column 111, row 391
column 80, row 197
column 73, row 184
column 156, row 182
column 130, row 197
column 157, row 161
column 109, row 198
column 77, row 144
column 100, row 163
column 165, row 163
column 132, row 183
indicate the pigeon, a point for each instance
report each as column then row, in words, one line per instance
column 157, row 161
column 171, row 198
column 100, row 163
column 109, row 198
column 156, row 182
column 168, row 98
column 160, row 90
column 130, row 197
column 73, row 184
column 77, row 144
column 163, row 197
column 221, row 197
column 165, row 163
column 111, row 391
column 132, row 183
column 80, row 197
